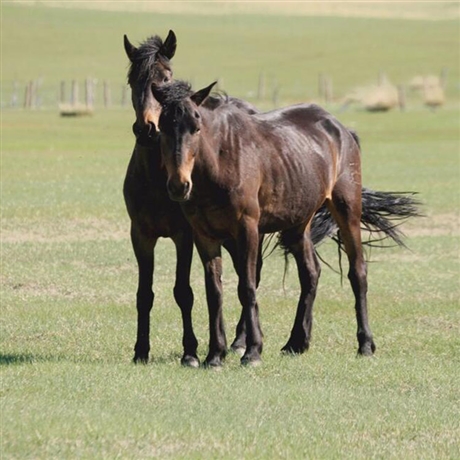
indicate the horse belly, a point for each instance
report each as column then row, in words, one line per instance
column 288, row 204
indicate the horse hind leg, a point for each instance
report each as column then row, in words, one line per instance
column 309, row 270
column 345, row 206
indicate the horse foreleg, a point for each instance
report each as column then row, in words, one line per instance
column 143, row 249
column 248, row 250
column 239, row 343
column 309, row 271
column 183, row 295
column 210, row 254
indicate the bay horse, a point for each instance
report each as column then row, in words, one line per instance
column 238, row 176
column 153, row 215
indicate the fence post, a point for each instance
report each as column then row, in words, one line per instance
column 124, row 92
column 328, row 90
column 261, row 87
column 89, row 93
column 321, row 86
column 62, row 92
column 74, row 93
column 107, row 101
column 29, row 95
column 14, row 96
column 26, row 97
column 402, row 98
column 276, row 95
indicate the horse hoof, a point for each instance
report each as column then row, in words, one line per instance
column 239, row 350
column 138, row 359
column 294, row 349
column 251, row 359
column 215, row 363
column 367, row 349
column 251, row 362
column 190, row 361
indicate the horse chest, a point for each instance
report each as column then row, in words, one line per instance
column 155, row 214
column 215, row 221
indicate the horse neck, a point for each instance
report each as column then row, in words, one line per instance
column 148, row 162
column 207, row 159
column 218, row 152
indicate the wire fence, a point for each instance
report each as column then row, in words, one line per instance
column 84, row 96
column 36, row 94
column 97, row 94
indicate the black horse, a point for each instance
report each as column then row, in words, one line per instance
column 238, row 176
column 153, row 215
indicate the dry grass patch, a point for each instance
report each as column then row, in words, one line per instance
column 64, row 231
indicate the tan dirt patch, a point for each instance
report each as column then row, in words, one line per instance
column 436, row 225
column 65, row 231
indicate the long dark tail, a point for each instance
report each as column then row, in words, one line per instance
column 381, row 218
column 382, row 215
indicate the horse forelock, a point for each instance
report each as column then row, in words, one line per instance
column 145, row 58
column 174, row 98
column 175, row 93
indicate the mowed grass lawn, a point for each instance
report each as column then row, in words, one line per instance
column 68, row 281
column 69, row 388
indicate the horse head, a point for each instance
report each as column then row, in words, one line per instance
column 149, row 67
column 180, row 125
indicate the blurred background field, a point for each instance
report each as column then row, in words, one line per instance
column 68, row 275
column 409, row 9
column 270, row 59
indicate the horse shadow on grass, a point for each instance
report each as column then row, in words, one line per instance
column 16, row 359
column 10, row 359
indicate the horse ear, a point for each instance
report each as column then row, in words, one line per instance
column 130, row 49
column 199, row 97
column 168, row 49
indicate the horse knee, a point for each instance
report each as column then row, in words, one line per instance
column 145, row 298
column 183, row 296
column 246, row 294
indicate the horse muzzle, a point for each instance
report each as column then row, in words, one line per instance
column 179, row 191
column 144, row 134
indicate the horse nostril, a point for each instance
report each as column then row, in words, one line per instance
column 178, row 191
column 151, row 128
column 172, row 189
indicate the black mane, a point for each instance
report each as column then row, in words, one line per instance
column 174, row 93
column 144, row 58
column 178, row 90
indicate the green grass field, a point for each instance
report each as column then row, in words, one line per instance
column 68, row 277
